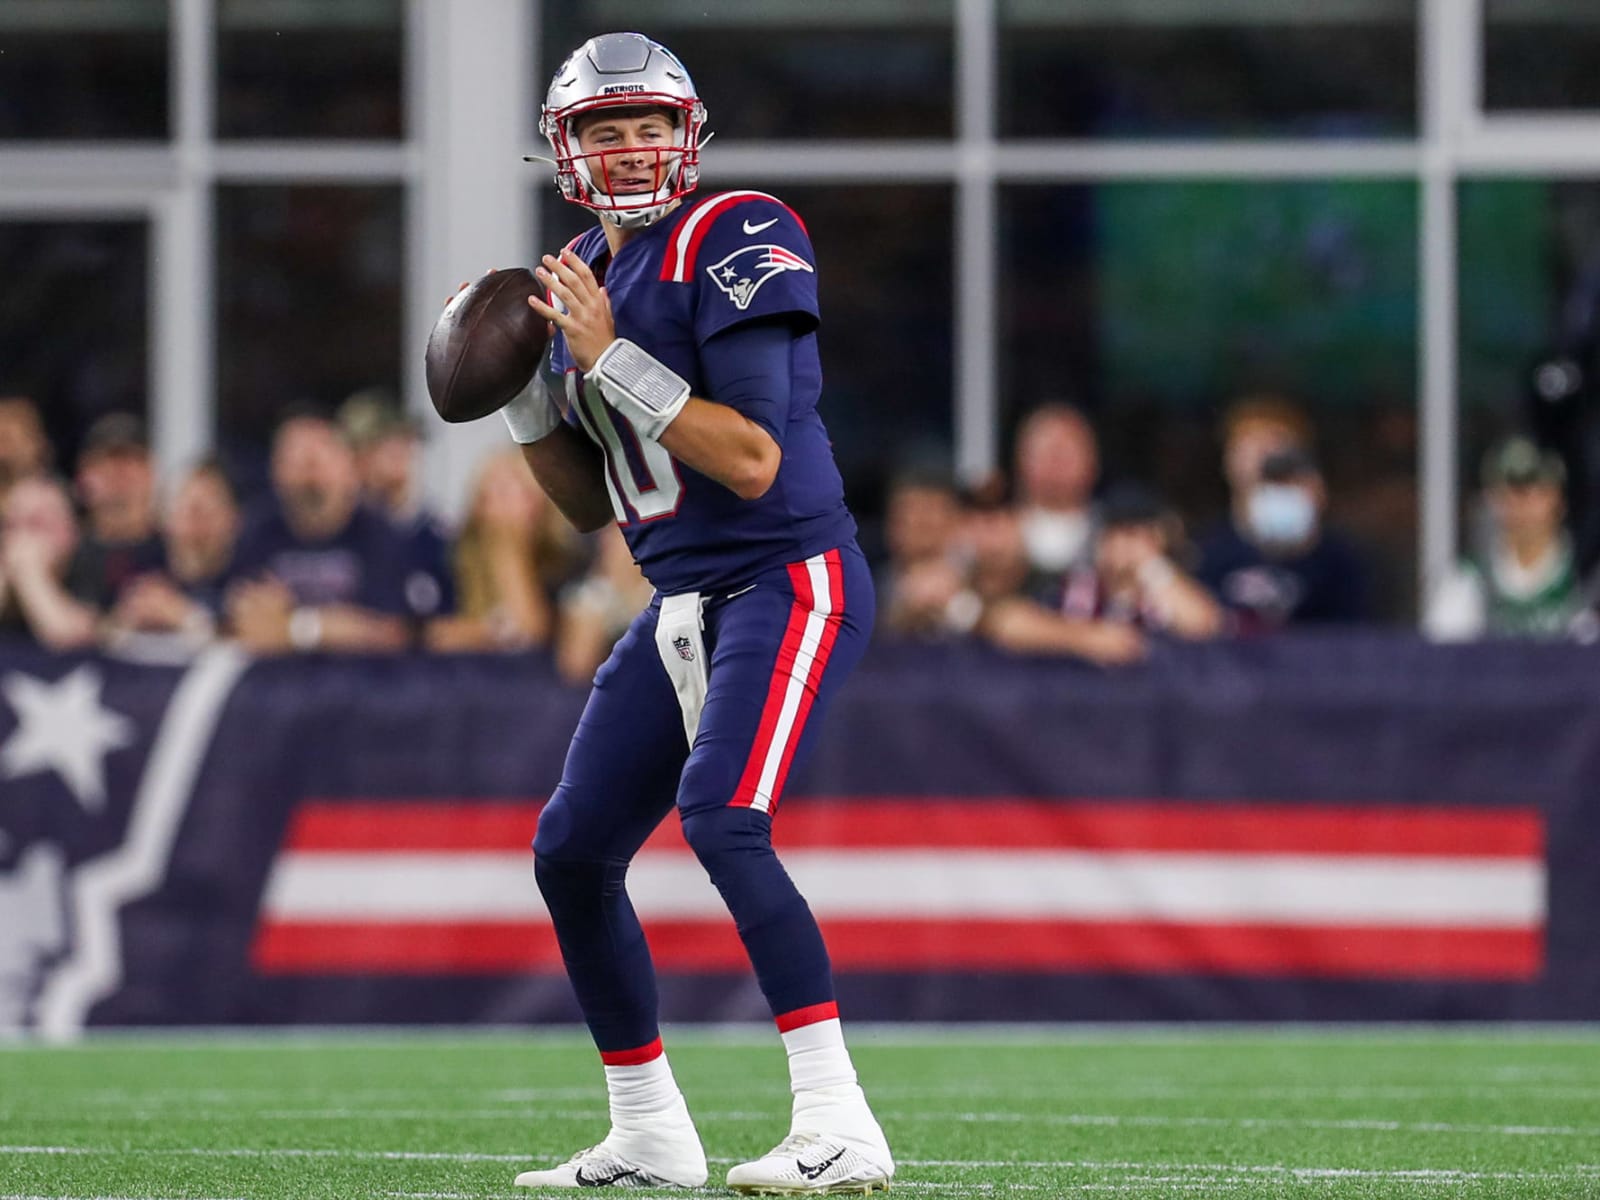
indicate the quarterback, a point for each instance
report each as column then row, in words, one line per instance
column 679, row 398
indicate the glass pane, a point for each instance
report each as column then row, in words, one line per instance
column 1530, row 335
column 791, row 68
column 1242, row 68
column 74, row 314
column 1156, row 305
column 309, row 69
column 309, row 284
column 886, row 329
column 1541, row 54
column 92, row 69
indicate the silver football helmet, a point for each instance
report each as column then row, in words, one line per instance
column 623, row 70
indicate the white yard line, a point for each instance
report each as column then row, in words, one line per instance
column 1224, row 1170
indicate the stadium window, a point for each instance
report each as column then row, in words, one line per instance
column 309, row 282
column 792, row 68
column 74, row 321
column 1224, row 68
column 1541, row 55
column 92, row 69
column 1154, row 305
column 310, row 69
column 1529, row 295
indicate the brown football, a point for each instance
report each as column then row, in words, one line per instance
column 485, row 346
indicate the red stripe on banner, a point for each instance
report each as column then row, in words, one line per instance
column 977, row 824
column 316, row 948
column 744, row 796
column 834, row 571
column 811, row 1014
column 400, row 825
column 632, row 1058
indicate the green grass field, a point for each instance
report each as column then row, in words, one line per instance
column 1071, row 1112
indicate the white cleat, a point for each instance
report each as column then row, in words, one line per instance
column 816, row 1164
column 628, row 1160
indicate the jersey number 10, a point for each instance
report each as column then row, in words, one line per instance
column 651, row 486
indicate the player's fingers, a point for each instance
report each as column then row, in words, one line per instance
column 578, row 266
column 564, row 271
column 548, row 312
column 560, row 287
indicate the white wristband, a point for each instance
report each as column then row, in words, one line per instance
column 305, row 629
column 640, row 387
column 532, row 414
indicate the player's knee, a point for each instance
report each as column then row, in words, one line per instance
column 724, row 832
column 552, row 838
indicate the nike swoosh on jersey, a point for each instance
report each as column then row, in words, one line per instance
column 749, row 228
column 812, row 1170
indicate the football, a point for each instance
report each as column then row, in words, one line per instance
column 485, row 346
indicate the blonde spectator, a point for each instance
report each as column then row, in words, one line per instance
column 199, row 532
column 511, row 558
column 597, row 610
column 43, row 591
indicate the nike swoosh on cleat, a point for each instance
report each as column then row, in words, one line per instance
column 812, row 1170
column 602, row 1180
column 749, row 228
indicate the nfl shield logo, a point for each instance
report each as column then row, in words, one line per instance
column 684, row 647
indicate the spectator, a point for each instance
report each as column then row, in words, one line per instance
column 1135, row 579
column 923, row 577
column 24, row 449
column 1019, row 623
column 597, row 610
column 116, row 484
column 1523, row 581
column 1057, row 464
column 386, row 443
column 1280, row 565
column 1253, row 429
column 511, row 559
column 202, row 526
column 313, row 568
column 44, row 590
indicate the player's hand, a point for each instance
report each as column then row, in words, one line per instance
column 587, row 322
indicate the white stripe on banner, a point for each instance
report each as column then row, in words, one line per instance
column 810, row 640
column 1369, row 890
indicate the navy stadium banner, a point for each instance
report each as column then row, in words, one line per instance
column 1358, row 827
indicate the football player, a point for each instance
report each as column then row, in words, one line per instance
column 679, row 398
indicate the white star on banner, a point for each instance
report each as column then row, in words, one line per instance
column 63, row 727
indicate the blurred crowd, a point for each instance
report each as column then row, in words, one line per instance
column 341, row 555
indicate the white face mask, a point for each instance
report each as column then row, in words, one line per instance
column 1281, row 514
column 1054, row 541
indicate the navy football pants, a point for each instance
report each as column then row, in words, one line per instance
column 777, row 652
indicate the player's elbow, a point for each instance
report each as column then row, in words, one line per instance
column 757, row 469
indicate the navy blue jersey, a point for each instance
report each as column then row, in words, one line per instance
column 714, row 264
column 363, row 564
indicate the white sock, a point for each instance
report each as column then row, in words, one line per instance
column 818, row 1059
column 642, row 1090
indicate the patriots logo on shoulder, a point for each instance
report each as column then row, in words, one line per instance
column 742, row 273
column 684, row 647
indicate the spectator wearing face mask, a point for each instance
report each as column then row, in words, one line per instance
column 1057, row 465
column 1276, row 563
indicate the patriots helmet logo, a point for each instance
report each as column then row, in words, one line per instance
column 684, row 647
column 742, row 273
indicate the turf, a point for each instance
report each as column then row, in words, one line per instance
column 1038, row 1112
